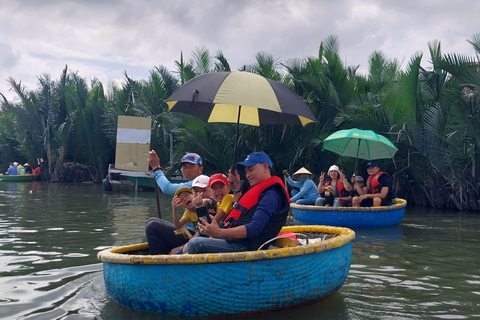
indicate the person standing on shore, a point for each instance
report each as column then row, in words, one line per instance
column 192, row 167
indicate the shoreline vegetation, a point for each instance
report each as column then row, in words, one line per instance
column 429, row 108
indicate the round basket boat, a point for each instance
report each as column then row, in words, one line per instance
column 230, row 283
column 350, row 217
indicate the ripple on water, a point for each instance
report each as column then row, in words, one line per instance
column 19, row 230
column 51, row 294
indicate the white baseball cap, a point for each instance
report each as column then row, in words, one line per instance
column 201, row 181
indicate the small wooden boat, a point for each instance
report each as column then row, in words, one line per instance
column 20, row 178
column 230, row 283
column 350, row 217
column 133, row 179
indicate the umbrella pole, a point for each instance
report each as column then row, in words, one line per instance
column 235, row 154
column 236, row 140
column 356, row 159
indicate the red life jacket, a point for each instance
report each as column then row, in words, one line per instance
column 250, row 199
column 342, row 192
column 373, row 183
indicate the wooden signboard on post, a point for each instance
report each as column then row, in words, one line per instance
column 133, row 143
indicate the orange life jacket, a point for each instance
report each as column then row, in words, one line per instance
column 342, row 192
column 244, row 210
column 373, row 183
column 250, row 198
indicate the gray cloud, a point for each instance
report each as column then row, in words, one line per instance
column 8, row 59
column 105, row 38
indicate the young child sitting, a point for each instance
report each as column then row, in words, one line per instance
column 189, row 199
column 221, row 193
column 361, row 184
column 329, row 191
column 183, row 199
column 203, row 194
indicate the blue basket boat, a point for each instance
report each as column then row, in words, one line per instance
column 230, row 283
column 350, row 217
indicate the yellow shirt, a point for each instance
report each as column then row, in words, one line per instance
column 189, row 216
column 226, row 204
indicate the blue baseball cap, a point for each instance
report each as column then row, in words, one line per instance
column 192, row 158
column 373, row 164
column 253, row 159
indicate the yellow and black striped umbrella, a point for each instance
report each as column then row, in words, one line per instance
column 240, row 97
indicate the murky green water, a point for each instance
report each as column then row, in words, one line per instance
column 428, row 267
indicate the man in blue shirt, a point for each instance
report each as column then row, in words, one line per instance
column 12, row 170
column 256, row 218
column 192, row 167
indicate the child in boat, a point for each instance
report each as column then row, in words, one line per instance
column 308, row 193
column 360, row 184
column 183, row 199
column 329, row 198
column 203, row 194
column 160, row 233
column 221, row 193
column 220, row 190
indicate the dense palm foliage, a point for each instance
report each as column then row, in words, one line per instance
column 432, row 114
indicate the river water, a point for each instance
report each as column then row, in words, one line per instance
column 428, row 267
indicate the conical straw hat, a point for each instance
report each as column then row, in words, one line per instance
column 302, row 170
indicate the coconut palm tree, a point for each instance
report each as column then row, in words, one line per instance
column 326, row 86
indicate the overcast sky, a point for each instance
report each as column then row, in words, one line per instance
column 104, row 39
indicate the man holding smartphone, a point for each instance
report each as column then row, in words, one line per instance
column 257, row 217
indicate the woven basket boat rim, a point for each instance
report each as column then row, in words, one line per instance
column 116, row 255
column 397, row 204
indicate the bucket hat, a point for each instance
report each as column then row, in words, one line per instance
column 334, row 168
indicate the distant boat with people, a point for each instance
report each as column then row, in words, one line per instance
column 350, row 217
column 20, row 178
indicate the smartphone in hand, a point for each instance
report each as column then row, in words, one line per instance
column 202, row 212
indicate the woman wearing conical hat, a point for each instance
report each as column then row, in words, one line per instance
column 28, row 168
column 302, row 179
